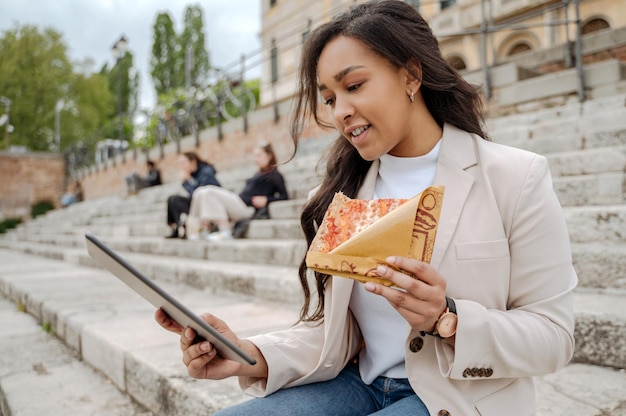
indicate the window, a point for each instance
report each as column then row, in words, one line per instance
column 519, row 47
column 414, row 3
column 447, row 3
column 594, row 25
column 456, row 62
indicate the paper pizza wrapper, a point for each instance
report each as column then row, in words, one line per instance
column 408, row 230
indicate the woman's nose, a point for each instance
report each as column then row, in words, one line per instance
column 343, row 110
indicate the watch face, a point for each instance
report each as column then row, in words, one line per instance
column 446, row 327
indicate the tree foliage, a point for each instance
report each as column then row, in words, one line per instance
column 162, row 63
column 192, row 46
column 123, row 84
column 35, row 74
column 171, row 52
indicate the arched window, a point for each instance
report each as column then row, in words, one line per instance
column 519, row 47
column 456, row 62
column 595, row 25
column 447, row 3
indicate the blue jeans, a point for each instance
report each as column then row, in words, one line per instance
column 345, row 395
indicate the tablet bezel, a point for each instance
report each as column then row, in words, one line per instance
column 159, row 298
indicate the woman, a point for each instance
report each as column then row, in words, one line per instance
column 214, row 205
column 501, row 265
column 194, row 173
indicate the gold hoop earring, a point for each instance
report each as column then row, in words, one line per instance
column 412, row 97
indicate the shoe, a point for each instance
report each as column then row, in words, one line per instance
column 220, row 235
column 173, row 234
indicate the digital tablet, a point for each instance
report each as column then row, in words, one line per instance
column 112, row 261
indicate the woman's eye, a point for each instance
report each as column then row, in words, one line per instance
column 329, row 101
column 354, row 86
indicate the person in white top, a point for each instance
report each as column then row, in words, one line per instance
column 463, row 335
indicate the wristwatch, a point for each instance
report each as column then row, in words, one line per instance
column 445, row 327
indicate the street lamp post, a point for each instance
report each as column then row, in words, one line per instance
column 119, row 51
column 7, row 127
column 57, row 123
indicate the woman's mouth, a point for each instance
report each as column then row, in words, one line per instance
column 359, row 130
column 358, row 135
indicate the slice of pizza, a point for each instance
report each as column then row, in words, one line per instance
column 346, row 217
column 356, row 236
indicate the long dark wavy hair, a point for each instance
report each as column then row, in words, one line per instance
column 193, row 157
column 272, row 163
column 397, row 32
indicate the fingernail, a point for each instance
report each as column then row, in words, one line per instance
column 369, row 286
column 381, row 269
column 391, row 259
column 187, row 333
column 205, row 346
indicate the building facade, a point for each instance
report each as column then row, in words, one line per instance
column 473, row 34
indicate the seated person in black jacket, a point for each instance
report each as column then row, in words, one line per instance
column 135, row 182
column 213, row 205
column 195, row 173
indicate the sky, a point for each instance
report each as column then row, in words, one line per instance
column 90, row 28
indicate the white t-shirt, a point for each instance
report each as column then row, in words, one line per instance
column 384, row 329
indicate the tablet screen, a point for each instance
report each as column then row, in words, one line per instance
column 154, row 294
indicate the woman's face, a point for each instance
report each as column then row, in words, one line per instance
column 368, row 98
column 261, row 158
column 187, row 165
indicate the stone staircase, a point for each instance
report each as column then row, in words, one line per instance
column 252, row 283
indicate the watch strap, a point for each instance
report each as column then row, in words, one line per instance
column 450, row 307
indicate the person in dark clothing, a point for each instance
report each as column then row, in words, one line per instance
column 195, row 173
column 223, row 207
column 135, row 182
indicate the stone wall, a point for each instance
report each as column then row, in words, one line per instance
column 233, row 151
column 29, row 178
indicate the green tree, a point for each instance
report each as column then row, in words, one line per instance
column 89, row 108
column 192, row 49
column 170, row 52
column 123, row 85
column 163, row 60
column 35, row 74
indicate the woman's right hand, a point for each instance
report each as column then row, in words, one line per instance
column 202, row 360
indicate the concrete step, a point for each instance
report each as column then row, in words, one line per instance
column 593, row 189
column 289, row 209
column 588, row 161
column 104, row 325
column 575, row 126
column 605, row 223
column 34, row 361
column 598, row 264
column 599, row 314
column 277, row 252
column 157, row 215
column 276, row 283
column 580, row 190
column 599, row 249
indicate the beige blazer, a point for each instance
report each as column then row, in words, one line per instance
column 503, row 247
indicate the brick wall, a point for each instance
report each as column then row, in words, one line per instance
column 232, row 151
column 27, row 179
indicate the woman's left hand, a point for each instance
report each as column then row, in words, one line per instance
column 424, row 296
column 259, row 201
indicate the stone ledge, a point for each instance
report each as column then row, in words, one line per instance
column 561, row 83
